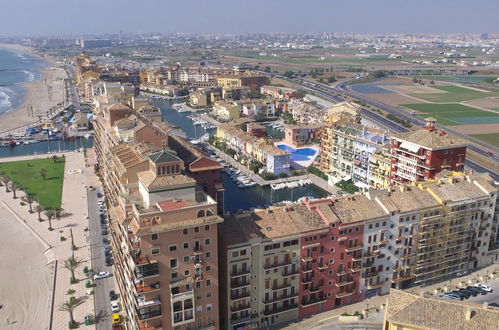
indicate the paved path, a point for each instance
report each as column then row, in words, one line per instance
column 74, row 203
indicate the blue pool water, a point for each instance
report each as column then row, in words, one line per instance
column 302, row 154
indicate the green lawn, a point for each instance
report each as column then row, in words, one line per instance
column 445, row 111
column 27, row 174
column 454, row 94
column 492, row 139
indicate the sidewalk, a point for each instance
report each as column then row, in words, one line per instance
column 74, row 204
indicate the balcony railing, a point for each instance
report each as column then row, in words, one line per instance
column 240, row 273
column 239, row 320
column 140, row 287
column 344, row 294
column 354, row 248
column 150, row 302
column 281, row 297
column 240, row 308
column 290, row 273
column 280, row 310
column 282, row 264
column 313, row 301
column 148, row 315
column 240, row 296
column 238, row 285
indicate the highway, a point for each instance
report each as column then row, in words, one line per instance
column 327, row 92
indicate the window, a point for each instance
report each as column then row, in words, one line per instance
column 207, row 227
column 199, row 309
column 186, row 272
column 173, row 248
column 185, row 231
column 242, row 252
column 207, row 241
column 154, row 237
column 173, row 263
column 235, row 254
column 331, row 250
column 208, row 282
column 208, row 254
column 186, row 259
column 208, row 308
column 196, row 229
column 154, row 251
column 186, row 245
column 208, row 268
column 200, row 215
column 198, row 285
column 370, row 226
column 208, row 294
column 174, row 275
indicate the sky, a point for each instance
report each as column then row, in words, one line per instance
column 77, row 17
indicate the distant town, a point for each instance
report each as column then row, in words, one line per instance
column 263, row 181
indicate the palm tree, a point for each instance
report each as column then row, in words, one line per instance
column 71, row 264
column 39, row 209
column 29, row 199
column 69, row 306
column 15, row 187
column 5, row 179
column 54, row 158
column 50, row 214
column 43, row 173
column 58, row 212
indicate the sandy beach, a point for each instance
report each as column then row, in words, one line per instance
column 25, row 276
column 41, row 94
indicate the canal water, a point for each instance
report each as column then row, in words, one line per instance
column 236, row 198
column 44, row 147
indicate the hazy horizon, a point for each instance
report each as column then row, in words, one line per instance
column 78, row 17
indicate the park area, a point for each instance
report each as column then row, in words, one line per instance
column 41, row 178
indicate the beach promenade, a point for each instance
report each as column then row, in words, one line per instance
column 75, row 209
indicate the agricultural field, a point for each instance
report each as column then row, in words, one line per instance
column 48, row 189
column 454, row 94
column 454, row 114
column 492, row 139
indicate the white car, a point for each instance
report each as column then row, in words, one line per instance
column 484, row 287
column 101, row 275
column 115, row 306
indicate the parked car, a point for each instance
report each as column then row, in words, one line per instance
column 452, row 296
column 463, row 294
column 104, row 232
column 470, row 292
column 484, row 287
column 109, row 263
column 104, row 240
column 494, row 304
column 115, row 307
column 112, row 295
column 99, row 195
column 476, row 289
column 101, row 275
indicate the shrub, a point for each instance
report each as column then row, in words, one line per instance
column 88, row 284
column 356, row 313
column 73, row 325
column 22, row 203
column 85, row 269
column 283, row 175
column 345, row 314
column 71, row 291
column 317, row 172
column 73, row 281
column 63, row 238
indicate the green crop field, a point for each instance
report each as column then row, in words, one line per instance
column 452, row 114
column 27, row 173
column 454, row 94
column 492, row 139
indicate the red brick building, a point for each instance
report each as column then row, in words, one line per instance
column 420, row 155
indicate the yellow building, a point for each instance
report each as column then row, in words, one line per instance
column 226, row 111
column 229, row 81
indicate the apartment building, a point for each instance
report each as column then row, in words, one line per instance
column 347, row 147
column 226, row 110
column 275, row 160
column 253, row 81
column 164, row 243
column 278, row 92
column 419, row 155
column 299, row 135
column 410, row 311
column 353, row 248
column 380, row 167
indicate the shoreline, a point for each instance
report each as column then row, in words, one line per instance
column 41, row 94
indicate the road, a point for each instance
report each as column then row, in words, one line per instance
column 103, row 286
column 326, row 92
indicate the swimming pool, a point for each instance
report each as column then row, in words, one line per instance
column 301, row 154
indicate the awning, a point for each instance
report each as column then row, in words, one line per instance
column 410, row 146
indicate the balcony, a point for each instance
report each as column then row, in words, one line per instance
column 280, row 310
column 343, row 283
column 145, row 303
column 240, row 320
column 238, row 285
column 316, row 289
column 146, row 271
column 138, row 260
column 290, row 273
column 240, row 273
column 198, row 250
column 306, row 280
column 357, row 257
column 344, row 294
column 402, row 278
column 354, row 248
column 140, row 287
column 306, row 258
column 146, row 326
column 313, row 301
column 371, row 274
column 375, row 285
column 149, row 315
column 282, row 264
column 281, row 297
column 240, row 296
column 323, row 266
column 356, row 268
column 306, row 269
column 240, row 307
